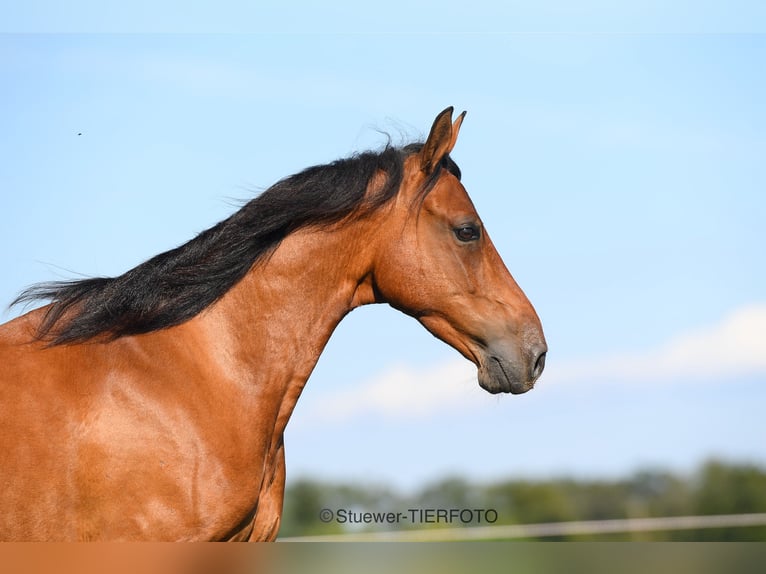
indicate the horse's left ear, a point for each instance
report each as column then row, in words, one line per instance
column 440, row 141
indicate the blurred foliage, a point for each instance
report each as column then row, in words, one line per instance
column 715, row 488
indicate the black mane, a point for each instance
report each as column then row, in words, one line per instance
column 174, row 286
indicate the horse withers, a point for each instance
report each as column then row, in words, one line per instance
column 152, row 405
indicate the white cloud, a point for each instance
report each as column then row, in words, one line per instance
column 404, row 392
column 734, row 347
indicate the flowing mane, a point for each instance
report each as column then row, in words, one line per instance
column 174, row 286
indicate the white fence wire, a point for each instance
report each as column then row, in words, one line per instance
column 545, row 530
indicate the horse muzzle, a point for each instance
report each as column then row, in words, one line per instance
column 511, row 371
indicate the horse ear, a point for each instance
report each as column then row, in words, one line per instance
column 440, row 141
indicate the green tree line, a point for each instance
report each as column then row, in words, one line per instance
column 715, row 488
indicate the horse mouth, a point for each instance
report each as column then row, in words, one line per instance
column 495, row 378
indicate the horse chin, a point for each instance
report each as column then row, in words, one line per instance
column 494, row 378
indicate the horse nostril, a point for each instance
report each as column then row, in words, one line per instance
column 539, row 365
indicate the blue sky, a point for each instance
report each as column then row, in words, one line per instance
column 424, row 17
column 621, row 177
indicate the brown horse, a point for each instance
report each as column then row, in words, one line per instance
column 152, row 406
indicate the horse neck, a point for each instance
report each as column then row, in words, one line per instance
column 279, row 317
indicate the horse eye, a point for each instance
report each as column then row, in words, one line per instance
column 467, row 233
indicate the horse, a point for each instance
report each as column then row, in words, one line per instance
column 152, row 405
